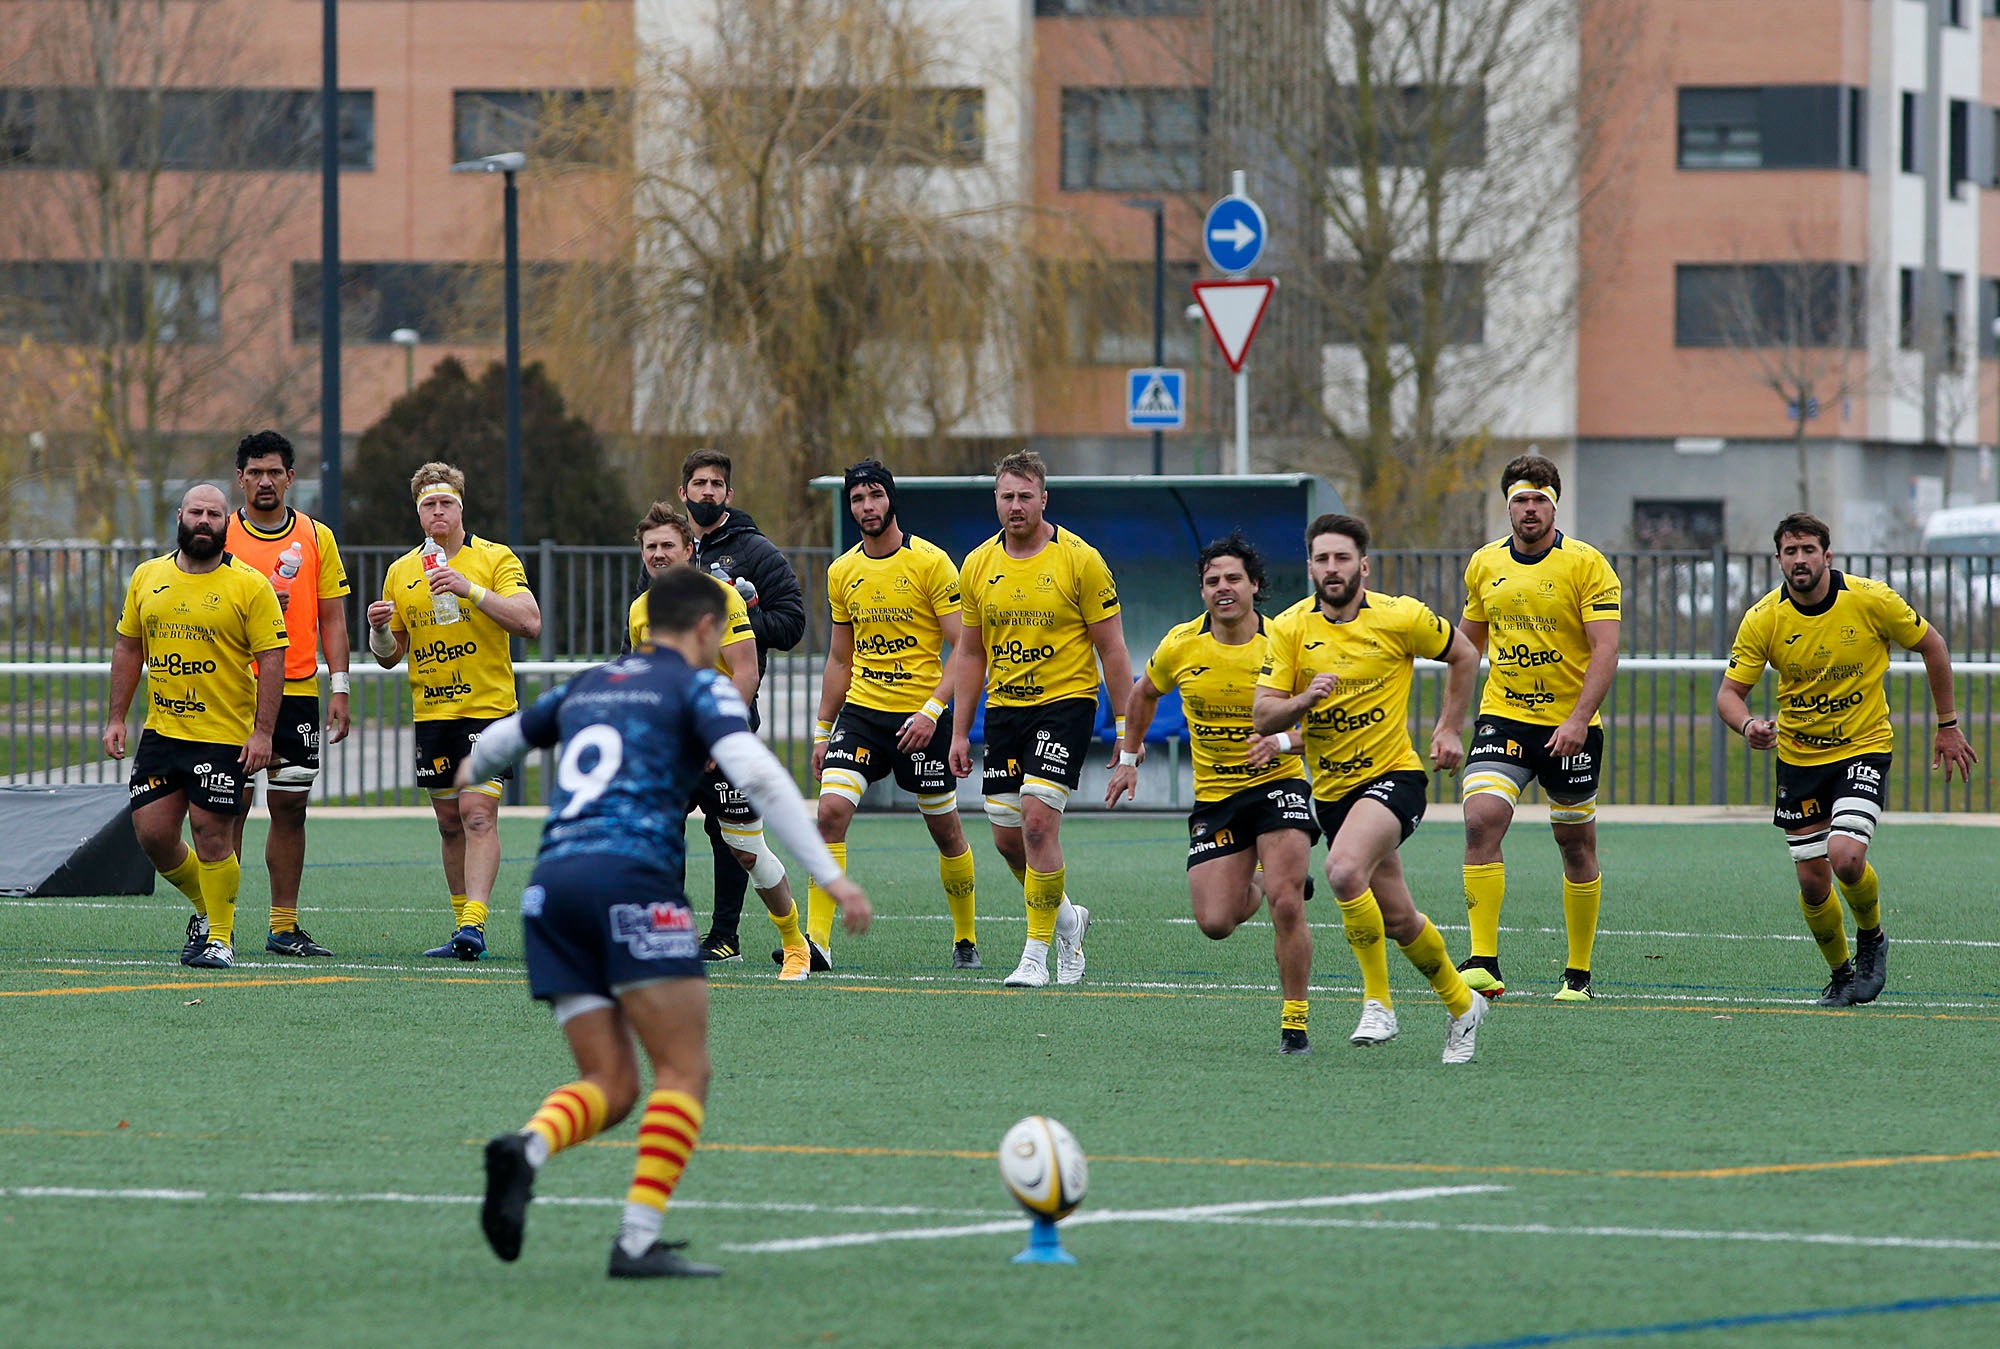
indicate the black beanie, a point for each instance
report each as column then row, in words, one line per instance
column 875, row 471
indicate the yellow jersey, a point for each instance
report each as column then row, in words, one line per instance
column 1035, row 614
column 1218, row 683
column 1361, row 729
column 461, row 669
column 893, row 604
column 1830, row 660
column 735, row 623
column 320, row 577
column 202, row 634
column 1535, row 609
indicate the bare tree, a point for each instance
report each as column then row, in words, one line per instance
column 148, row 223
column 823, row 262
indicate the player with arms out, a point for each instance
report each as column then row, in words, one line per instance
column 451, row 605
column 1544, row 607
column 666, row 540
column 1249, row 832
column 1041, row 613
column 197, row 622
column 895, row 603
column 300, row 557
column 1827, row 633
column 1344, row 666
column 609, row 939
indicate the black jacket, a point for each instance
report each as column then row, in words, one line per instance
column 779, row 615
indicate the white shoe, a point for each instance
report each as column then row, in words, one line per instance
column 1032, row 972
column 1069, row 950
column 1376, row 1027
column 1463, row 1032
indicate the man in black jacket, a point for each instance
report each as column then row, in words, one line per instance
column 728, row 544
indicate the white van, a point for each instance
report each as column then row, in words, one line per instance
column 1964, row 530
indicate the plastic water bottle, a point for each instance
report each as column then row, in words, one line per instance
column 444, row 604
column 287, row 568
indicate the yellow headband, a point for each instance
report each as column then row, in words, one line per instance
column 1525, row 488
column 440, row 489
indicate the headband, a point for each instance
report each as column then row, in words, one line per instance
column 439, row 489
column 1526, row 488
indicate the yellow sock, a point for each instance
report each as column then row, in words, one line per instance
column 1020, row 876
column 569, row 1115
column 284, row 920
column 667, row 1135
column 820, row 907
column 1829, row 929
column 1427, row 952
column 788, row 926
column 1864, row 899
column 1485, row 889
column 1293, row 1015
column 1043, row 891
column 219, row 883
column 1580, row 901
column 472, row 915
column 1362, row 917
column 955, row 874
column 458, row 910
column 186, row 878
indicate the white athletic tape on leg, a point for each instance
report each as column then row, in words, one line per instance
column 1573, row 812
column 492, row 788
column 769, row 871
column 1856, row 817
column 844, row 783
column 1807, row 847
column 441, row 793
column 1051, row 794
column 942, row 804
column 1004, row 810
column 569, row 1006
column 1491, row 784
column 293, row 777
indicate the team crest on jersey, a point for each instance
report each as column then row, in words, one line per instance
column 655, row 931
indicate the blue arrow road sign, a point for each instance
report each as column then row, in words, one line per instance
column 1233, row 235
column 1156, row 399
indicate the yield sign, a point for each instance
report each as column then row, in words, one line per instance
column 1233, row 310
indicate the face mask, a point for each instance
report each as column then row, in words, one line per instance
column 706, row 513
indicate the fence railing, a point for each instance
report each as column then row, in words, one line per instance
column 59, row 605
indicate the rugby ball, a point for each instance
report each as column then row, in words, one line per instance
column 1043, row 1168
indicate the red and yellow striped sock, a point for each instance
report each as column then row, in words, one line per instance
column 667, row 1137
column 569, row 1115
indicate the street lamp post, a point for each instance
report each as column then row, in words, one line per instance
column 329, row 265
column 508, row 165
column 1159, row 210
column 407, row 339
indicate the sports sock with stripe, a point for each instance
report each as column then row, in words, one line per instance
column 1362, row 917
column 185, row 877
column 820, row 907
column 1043, row 892
column 1427, row 952
column 458, row 910
column 667, row 1135
column 1864, row 899
column 955, row 875
column 1292, row 1016
column 569, row 1115
column 1580, row 902
column 219, row 883
column 1829, row 929
column 1485, row 890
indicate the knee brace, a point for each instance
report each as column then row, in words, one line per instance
column 1051, row 794
column 1004, row 811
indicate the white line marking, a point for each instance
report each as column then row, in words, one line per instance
column 575, row 1201
column 1197, row 1213
column 76, row 1192
column 1645, row 1233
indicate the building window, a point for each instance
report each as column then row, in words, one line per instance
column 453, row 301
column 1958, row 144
column 1770, row 304
column 1989, row 311
column 571, row 126
column 1458, row 290
column 106, row 303
column 1954, row 13
column 1775, row 126
column 1951, row 315
column 1670, row 525
column 1133, row 140
column 180, row 130
column 1913, row 140
column 1405, row 121
column 1119, row 9
column 1109, row 319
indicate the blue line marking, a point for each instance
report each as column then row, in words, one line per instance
column 1926, row 1304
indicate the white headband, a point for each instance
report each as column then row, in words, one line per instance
column 440, row 489
column 1525, row 488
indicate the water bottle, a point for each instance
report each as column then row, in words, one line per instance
column 444, row 604
column 287, row 568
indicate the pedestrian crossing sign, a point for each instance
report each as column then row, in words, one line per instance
column 1156, row 399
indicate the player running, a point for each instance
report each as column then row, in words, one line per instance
column 666, row 540
column 1249, row 832
column 1344, row 665
column 609, row 939
column 451, row 605
column 198, row 622
column 895, row 604
column 1827, row 634
column 299, row 556
column 1544, row 607
column 1041, row 613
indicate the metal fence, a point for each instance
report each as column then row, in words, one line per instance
column 59, row 605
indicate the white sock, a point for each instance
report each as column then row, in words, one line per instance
column 639, row 1228
column 1068, row 920
column 1037, row 951
column 538, row 1148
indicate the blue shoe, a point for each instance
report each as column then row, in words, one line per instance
column 469, row 942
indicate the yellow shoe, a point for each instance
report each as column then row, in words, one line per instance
column 1480, row 979
column 797, row 965
column 1576, row 986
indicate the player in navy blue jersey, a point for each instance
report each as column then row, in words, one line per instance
column 610, row 942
